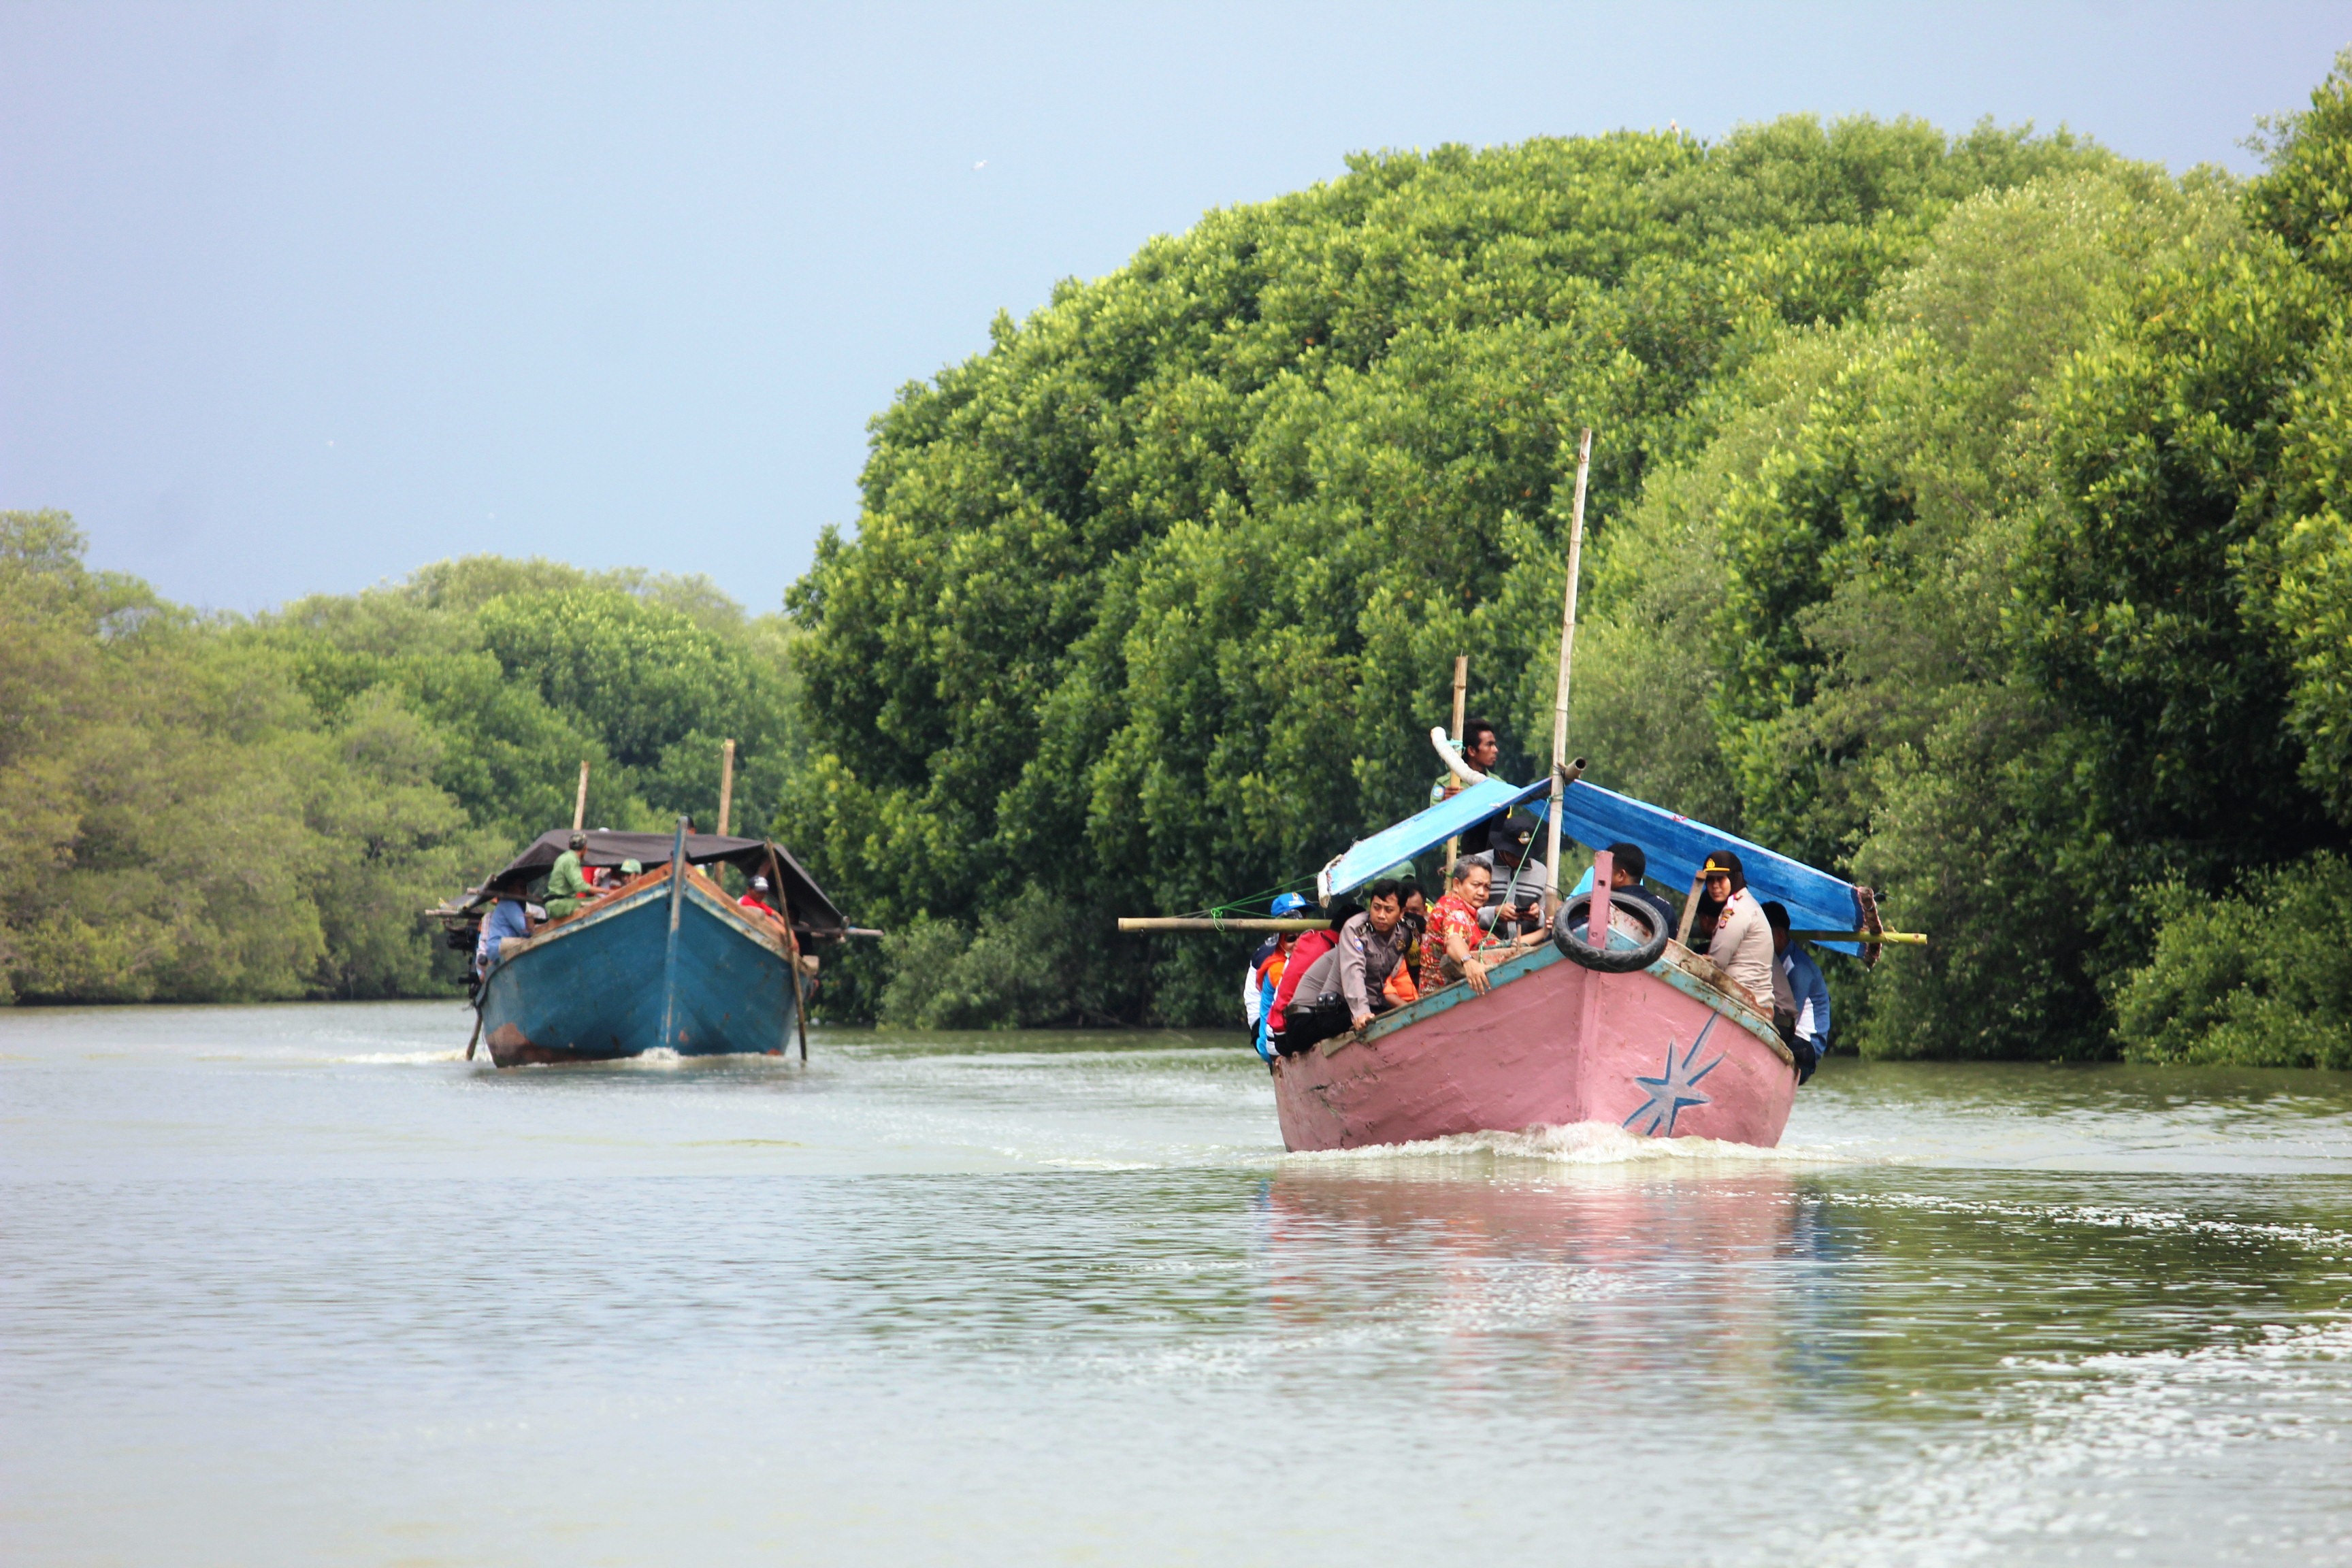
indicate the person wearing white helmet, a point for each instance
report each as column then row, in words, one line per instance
column 757, row 899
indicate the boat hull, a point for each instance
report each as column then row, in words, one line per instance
column 1664, row 1052
column 604, row 984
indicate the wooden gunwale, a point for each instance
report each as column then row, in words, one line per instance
column 1679, row 967
column 698, row 888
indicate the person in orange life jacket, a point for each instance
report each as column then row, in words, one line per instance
column 1741, row 943
column 1267, row 979
column 757, row 899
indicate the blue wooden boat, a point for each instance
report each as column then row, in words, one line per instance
column 668, row 961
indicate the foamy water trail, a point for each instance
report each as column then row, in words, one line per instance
column 1583, row 1143
column 401, row 1058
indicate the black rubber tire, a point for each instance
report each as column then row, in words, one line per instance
column 1568, row 929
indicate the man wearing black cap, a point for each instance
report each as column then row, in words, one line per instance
column 1515, row 902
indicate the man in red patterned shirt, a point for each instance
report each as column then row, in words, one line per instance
column 1453, row 929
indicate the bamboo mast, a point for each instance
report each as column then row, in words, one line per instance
column 1559, row 696
column 580, row 801
column 1461, row 691
column 726, row 784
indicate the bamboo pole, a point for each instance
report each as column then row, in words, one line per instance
column 580, row 801
column 726, row 784
column 793, row 942
column 1690, row 905
column 1205, row 922
column 1560, row 695
column 1905, row 938
column 1461, row 695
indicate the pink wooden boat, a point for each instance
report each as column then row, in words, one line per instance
column 1572, row 1031
column 1672, row 1051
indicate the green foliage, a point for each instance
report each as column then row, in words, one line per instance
column 1032, row 963
column 212, row 810
column 183, row 826
column 1969, row 516
column 1153, row 600
column 2263, row 978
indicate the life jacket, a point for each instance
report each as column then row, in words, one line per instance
column 1309, row 947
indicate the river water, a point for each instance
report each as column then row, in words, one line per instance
column 297, row 1285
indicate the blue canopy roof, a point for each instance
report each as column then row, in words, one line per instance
column 1675, row 845
column 1596, row 818
column 1368, row 857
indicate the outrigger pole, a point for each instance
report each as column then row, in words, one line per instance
column 1559, row 696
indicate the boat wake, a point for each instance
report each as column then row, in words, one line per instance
column 400, row 1059
column 1578, row 1143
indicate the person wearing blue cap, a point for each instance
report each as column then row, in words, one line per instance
column 1257, row 984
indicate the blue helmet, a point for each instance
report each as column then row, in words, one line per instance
column 1288, row 904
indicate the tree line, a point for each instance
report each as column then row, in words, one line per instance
column 216, row 808
column 1967, row 516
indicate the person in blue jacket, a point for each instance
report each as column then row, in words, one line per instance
column 1808, row 994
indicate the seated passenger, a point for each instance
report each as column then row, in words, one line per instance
column 1265, row 979
column 757, row 899
column 1311, row 948
column 1371, row 947
column 1629, row 866
column 1742, row 945
column 1808, row 995
column 1288, row 907
column 1416, row 920
column 1307, row 1006
column 507, row 918
column 1454, row 933
column 566, row 887
column 1515, row 898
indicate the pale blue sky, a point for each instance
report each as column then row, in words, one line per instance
column 300, row 297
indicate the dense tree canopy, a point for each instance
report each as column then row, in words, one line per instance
column 1968, row 515
column 1150, row 604
column 207, row 809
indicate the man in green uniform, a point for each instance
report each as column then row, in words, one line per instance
column 566, row 887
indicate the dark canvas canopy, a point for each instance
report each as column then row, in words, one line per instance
column 811, row 908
